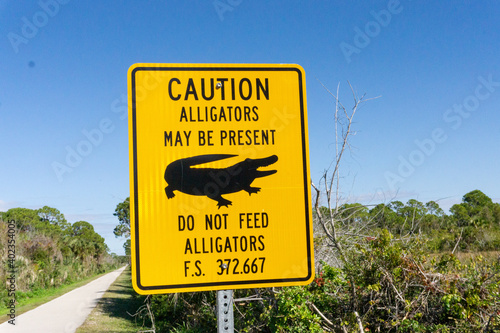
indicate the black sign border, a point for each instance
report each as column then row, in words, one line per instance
column 306, row 178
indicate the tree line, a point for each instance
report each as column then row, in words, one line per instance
column 49, row 251
column 473, row 224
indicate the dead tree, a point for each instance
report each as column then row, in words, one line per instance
column 330, row 217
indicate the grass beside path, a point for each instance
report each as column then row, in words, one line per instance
column 44, row 296
column 110, row 314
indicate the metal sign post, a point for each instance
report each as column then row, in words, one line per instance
column 225, row 317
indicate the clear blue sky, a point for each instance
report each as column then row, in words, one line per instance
column 433, row 134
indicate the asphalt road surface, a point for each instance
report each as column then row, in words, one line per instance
column 65, row 313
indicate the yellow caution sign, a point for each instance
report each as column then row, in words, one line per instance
column 219, row 174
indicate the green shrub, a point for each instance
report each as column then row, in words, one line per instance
column 185, row 312
column 292, row 313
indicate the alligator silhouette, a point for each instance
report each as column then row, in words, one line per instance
column 212, row 182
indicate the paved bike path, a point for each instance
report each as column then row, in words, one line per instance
column 65, row 313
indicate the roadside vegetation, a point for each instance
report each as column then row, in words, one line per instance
column 47, row 253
